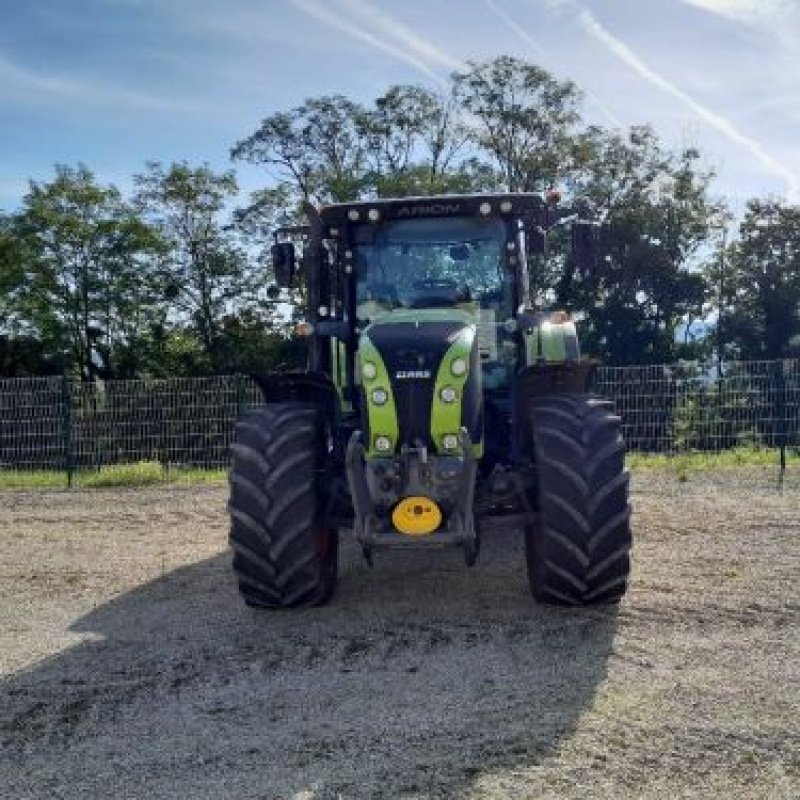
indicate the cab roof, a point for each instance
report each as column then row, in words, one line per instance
column 507, row 204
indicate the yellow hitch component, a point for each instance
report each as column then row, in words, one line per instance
column 416, row 516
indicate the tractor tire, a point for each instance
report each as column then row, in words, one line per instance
column 281, row 557
column 579, row 552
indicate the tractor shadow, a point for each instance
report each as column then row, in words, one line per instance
column 421, row 677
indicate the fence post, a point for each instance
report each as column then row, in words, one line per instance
column 779, row 416
column 240, row 394
column 66, row 428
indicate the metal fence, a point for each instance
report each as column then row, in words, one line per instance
column 690, row 407
column 56, row 424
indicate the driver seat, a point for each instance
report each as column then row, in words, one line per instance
column 376, row 299
column 384, row 293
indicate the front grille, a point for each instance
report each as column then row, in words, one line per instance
column 408, row 347
column 413, row 399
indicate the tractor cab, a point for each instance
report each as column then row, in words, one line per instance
column 380, row 261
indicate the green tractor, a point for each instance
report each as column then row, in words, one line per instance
column 437, row 403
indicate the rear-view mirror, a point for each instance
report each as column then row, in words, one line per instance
column 584, row 242
column 283, row 264
column 536, row 240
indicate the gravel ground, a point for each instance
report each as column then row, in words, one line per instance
column 129, row 668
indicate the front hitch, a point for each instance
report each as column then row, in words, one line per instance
column 446, row 480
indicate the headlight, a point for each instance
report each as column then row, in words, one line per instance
column 379, row 396
column 383, row 444
column 449, row 441
column 369, row 370
column 458, row 367
column 448, row 394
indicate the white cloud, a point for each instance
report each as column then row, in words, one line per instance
column 21, row 85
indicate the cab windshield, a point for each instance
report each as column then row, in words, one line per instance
column 434, row 263
column 443, row 263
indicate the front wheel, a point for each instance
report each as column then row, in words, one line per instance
column 579, row 553
column 281, row 557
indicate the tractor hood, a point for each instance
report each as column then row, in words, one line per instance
column 420, row 373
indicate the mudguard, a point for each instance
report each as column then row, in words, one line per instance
column 309, row 387
column 549, row 338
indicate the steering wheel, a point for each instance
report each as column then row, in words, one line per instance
column 435, row 283
column 432, row 292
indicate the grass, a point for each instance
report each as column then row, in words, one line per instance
column 144, row 473
column 32, row 479
column 690, row 463
column 150, row 473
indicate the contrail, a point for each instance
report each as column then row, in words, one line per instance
column 591, row 25
column 326, row 17
column 405, row 36
column 766, row 13
column 778, row 18
column 516, row 28
column 542, row 53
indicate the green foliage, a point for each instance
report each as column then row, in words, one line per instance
column 331, row 149
column 11, row 479
column 22, row 356
column 759, row 280
column 645, row 283
column 699, row 419
column 523, row 117
column 86, row 250
column 318, row 146
column 12, row 272
column 684, row 465
column 144, row 473
column 204, row 273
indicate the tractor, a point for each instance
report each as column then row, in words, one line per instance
column 438, row 404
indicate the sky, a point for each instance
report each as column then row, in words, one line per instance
column 115, row 83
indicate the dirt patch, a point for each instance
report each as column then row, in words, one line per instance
column 131, row 669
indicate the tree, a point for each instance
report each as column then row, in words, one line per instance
column 21, row 352
column 523, row 118
column 318, row 148
column 761, row 297
column 413, row 137
column 205, row 275
column 331, row 149
column 646, row 281
column 86, row 254
column 12, row 274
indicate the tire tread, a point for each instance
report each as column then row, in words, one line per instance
column 580, row 552
column 272, row 507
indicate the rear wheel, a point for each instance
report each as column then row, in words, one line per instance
column 579, row 553
column 281, row 557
